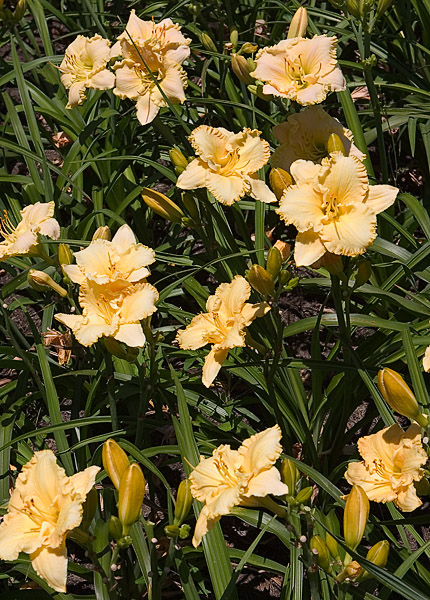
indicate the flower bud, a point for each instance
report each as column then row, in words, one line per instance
column 65, row 255
column 353, row 8
column 383, row 5
column 399, row 396
column 131, row 493
column 261, row 280
column 351, row 571
column 234, row 36
column 190, row 206
column 102, row 233
column 117, row 349
column 321, row 552
column 284, row 249
column 194, row 8
column 304, row 495
column 40, row 281
column 289, row 475
column 378, row 554
column 115, row 461
column 299, row 23
column 208, row 42
column 172, row 531
column 280, row 180
column 274, row 261
column 284, row 278
column 364, row 272
column 178, row 159
column 241, row 69
column 184, row 531
column 355, row 516
column 115, row 528
column 184, row 500
column 249, row 48
column 162, row 205
column 334, row 144
column 20, row 9
column 332, row 545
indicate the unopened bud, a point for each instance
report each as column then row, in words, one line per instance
column 184, row 531
column 335, row 144
column 274, row 262
column 102, row 233
column 383, row 5
column 178, row 158
column 89, row 509
column 252, row 65
column 184, row 500
column 299, row 23
column 304, row 495
column 234, row 36
column 321, row 552
column 115, row 528
column 284, row 249
column 248, row 48
column 399, row 396
column 289, row 475
column 20, row 9
column 332, row 545
column 162, row 205
column 172, row 531
column 355, row 516
column 65, row 255
column 40, row 281
column 115, row 461
column 261, row 280
column 208, row 42
column 241, row 69
column 280, row 180
column 131, row 494
column 190, row 206
column 353, row 8
column 364, row 272
column 116, row 349
column 377, row 555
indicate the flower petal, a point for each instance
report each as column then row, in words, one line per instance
column 304, row 171
column 128, row 80
column 24, row 242
column 95, row 261
column 51, row 565
column 139, row 304
column 194, row 176
column 123, row 239
column 213, row 364
column 197, row 333
column 266, row 482
column 36, row 213
column 88, row 333
column 226, row 189
column 308, row 248
column 210, row 143
column 131, row 334
column 50, row 228
column 229, row 298
column 74, row 273
column 352, row 232
column 426, row 360
column 261, row 450
column 377, row 488
column 252, row 311
column 146, row 109
column 346, row 178
column 103, row 80
column 76, row 94
column 253, row 151
column 407, row 499
column 203, row 525
column 300, row 205
column 259, row 190
column 84, row 481
column 381, row 197
column 18, row 533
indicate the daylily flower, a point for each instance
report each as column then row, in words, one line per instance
column 227, row 164
column 391, row 463
column 112, row 310
column 223, row 326
column 236, row 478
column 333, row 207
column 105, row 261
column 84, row 66
column 304, row 70
column 304, row 135
column 44, row 506
column 426, row 360
column 24, row 238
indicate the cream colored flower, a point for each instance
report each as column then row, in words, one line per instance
column 426, row 360
column 106, row 261
column 223, row 326
column 227, row 164
column 236, row 477
column 304, row 135
column 44, row 506
column 24, row 238
column 333, row 207
column 304, row 70
column 84, row 66
column 112, row 310
column 391, row 463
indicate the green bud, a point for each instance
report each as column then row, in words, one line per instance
column 284, row 278
column 261, row 280
column 383, row 5
column 65, row 255
column 190, row 206
column 399, row 396
column 364, row 272
column 252, row 65
column 117, row 349
column 353, row 8
column 280, row 180
column 184, row 500
column 178, row 158
column 332, row 545
column 115, row 461
column 234, row 36
column 248, row 48
column 289, row 475
column 162, row 205
column 321, row 552
column 184, row 531
column 304, row 495
column 115, row 528
column 241, row 69
column 20, row 9
column 40, row 281
column 355, row 516
column 299, row 24
column 130, row 497
column 208, row 42
column 125, row 542
column 334, row 144
column 274, row 262
column 194, row 9
column 378, row 555
column 172, row 531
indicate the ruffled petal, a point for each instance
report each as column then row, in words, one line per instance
column 76, row 94
column 74, row 273
column 51, row 565
column 407, row 499
column 346, row 179
column 197, row 334
column 252, row 311
column 84, row 481
column 210, row 143
column 50, row 228
column 308, row 248
column 253, row 151
column 259, row 190
column 352, row 232
column 304, row 171
column 381, row 197
column 18, row 533
column 300, row 206
column 261, row 451
column 226, row 189
column 266, row 482
column 194, row 176
column 213, row 363
column 131, row 334
column 139, row 304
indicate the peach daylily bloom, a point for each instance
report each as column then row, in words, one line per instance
column 426, row 360
column 227, row 164
column 112, row 310
column 333, row 207
column 223, row 326
column 304, row 135
column 43, row 508
column 24, row 238
column 304, row 70
column 236, row 478
column 392, row 461
column 84, row 66
column 105, row 261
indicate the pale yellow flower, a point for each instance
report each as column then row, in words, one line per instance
column 236, row 478
column 223, row 326
column 84, row 66
column 304, row 70
column 24, row 238
column 112, row 310
column 304, row 135
column 333, row 207
column 105, row 261
column 44, row 506
column 391, row 463
column 426, row 360
column 227, row 164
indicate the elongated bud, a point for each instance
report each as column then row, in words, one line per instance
column 351, row 571
column 353, row 8
column 116, row 349
column 115, row 528
column 184, row 501
column 334, row 144
column 321, row 552
column 241, row 69
column 304, row 495
column 20, row 9
column 399, row 396
column 383, row 5
column 284, row 249
column 162, row 205
column 190, row 206
column 364, row 272
column 261, row 280
column 299, row 23
column 332, row 545
column 378, row 555
column 355, row 516
column 234, row 36
column 248, row 48
column 280, row 180
column 102, row 233
column 284, row 278
column 65, row 255
column 289, row 475
column 131, row 493
column 40, row 281
column 274, row 262
column 89, row 509
column 172, row 531
column 208, row 42
column 178, row 159
column 115, row 461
